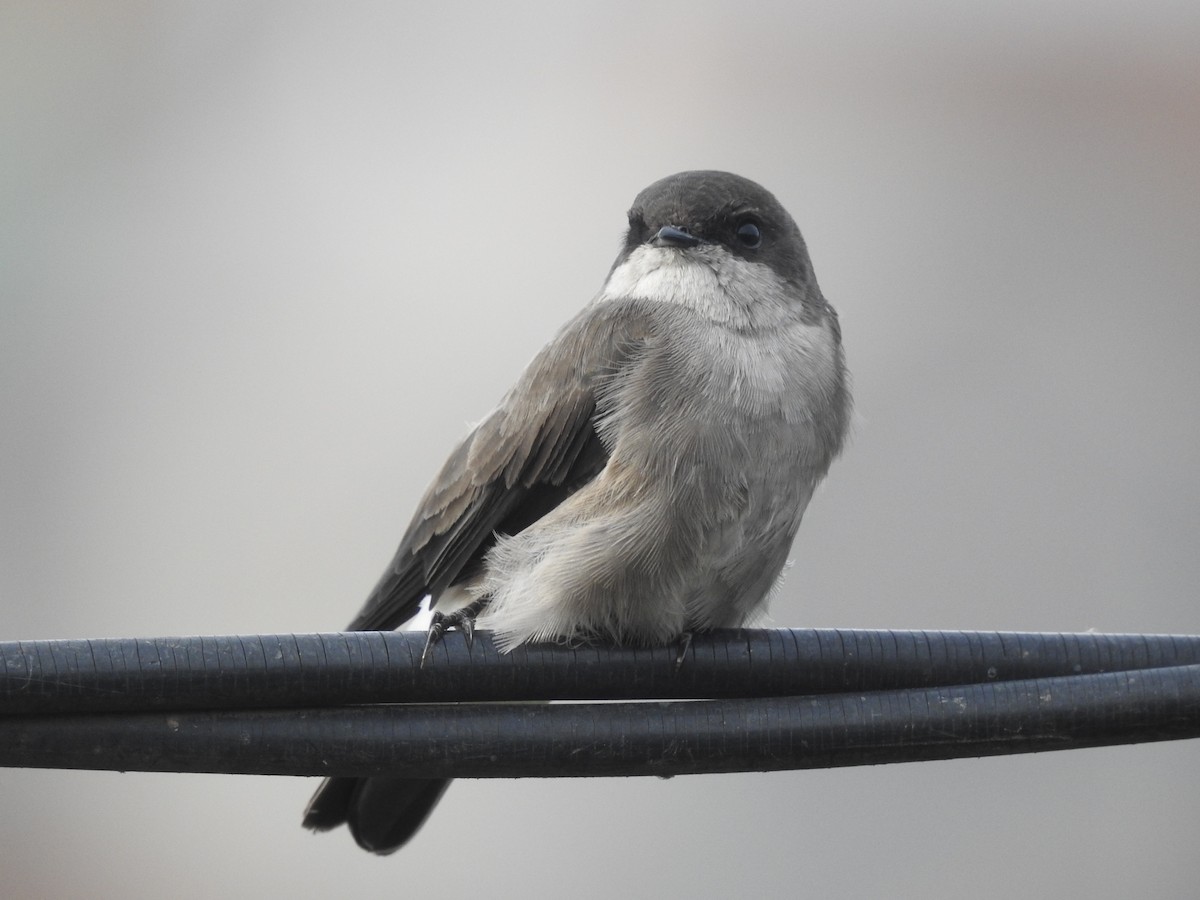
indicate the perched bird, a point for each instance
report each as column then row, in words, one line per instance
column 647, row 473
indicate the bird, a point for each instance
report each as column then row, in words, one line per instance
column 645, row 477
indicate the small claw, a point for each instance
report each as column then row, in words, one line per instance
column 467, row 627
column 437, row 628
column 462, row 618
column 685, row 644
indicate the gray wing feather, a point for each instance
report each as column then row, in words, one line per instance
column 538, row 446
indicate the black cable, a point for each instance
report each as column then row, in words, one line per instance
column 360, row 704
column 310, row 670
column 649, row 738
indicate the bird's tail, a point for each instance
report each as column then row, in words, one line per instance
column 382, row 812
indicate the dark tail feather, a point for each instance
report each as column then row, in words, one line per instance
column 383, row 813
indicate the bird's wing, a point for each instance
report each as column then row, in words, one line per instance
column 534, row 450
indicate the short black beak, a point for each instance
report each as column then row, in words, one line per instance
column 676, row 237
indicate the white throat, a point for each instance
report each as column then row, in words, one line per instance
column 712, row 281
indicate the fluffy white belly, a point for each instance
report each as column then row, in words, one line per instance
column 689, row 525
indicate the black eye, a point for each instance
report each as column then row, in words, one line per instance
column 749, row 235
column 637, row 230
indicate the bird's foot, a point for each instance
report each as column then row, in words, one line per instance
column 462, row 618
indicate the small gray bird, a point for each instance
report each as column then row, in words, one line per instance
column 645, row 477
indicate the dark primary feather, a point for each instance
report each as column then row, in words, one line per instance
column 539, row 446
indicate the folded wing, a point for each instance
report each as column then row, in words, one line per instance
column 533, row 451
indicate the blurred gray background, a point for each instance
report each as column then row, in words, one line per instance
column 260, row 264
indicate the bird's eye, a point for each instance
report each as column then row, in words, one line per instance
column 749, row 235
column 637, row 229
